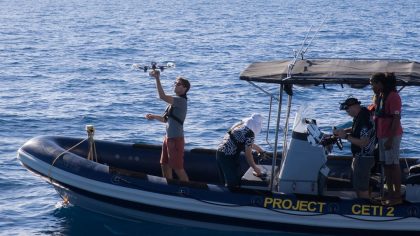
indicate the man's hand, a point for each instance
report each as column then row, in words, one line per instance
column 339, row 133
column 155, row 74
column 155, row 117
column 150, row 116
column 263, row 155
column 257, row 171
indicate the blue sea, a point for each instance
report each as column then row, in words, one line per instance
column 66, row 64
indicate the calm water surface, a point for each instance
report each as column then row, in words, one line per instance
column 65, row 64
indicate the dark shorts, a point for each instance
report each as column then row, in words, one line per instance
column 229, row 169
column 173, row 152
column 361, row 167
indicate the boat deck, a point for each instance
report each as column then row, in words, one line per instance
column 335, row 187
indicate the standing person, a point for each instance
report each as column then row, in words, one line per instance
column 389, row 132
column 172, row 157
column 362, row 138
column 240, row 137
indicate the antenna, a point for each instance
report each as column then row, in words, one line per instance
column 309, row 44
column 302, row 51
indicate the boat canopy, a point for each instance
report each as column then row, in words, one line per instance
column 353, row 72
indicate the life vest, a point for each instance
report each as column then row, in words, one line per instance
column 380, row 108
column 169, row 112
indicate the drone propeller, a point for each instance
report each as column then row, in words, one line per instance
column 154, row 66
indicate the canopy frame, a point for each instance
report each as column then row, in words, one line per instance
column 298, row 72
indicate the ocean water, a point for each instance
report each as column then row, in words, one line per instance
column 66, row 64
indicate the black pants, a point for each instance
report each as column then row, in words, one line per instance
column 229, row 169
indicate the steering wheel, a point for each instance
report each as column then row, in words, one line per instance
column 339, row 143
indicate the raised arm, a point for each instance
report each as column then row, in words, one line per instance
column 156, row 74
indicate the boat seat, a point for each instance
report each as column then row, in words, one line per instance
column 336, row 183
column 413, row 179
column 415, row 169
column 250, row 181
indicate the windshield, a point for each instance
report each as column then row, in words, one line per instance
column 299, row 125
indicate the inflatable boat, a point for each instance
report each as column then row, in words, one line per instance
column 305, row 188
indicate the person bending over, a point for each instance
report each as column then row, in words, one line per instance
column 240, row 137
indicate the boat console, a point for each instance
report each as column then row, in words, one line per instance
column 304, row 169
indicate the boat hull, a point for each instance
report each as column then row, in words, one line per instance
column 131, row 195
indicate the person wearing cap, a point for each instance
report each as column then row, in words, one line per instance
column 172, row 156
column 389, row 132
column 240, row 137
column 362, row 137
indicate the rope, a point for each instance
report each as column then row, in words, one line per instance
column 66, row 151
column 92, row 149
column 214, row 203
column 294, row 214
column 354, row 218
column 274, row 210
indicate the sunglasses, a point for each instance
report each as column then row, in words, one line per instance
column 346, row 106
column 177, row 83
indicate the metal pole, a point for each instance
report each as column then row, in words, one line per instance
column 286, row 126
column 276, row 139
column 268, row 123
column 319, row 28
column 269, row 114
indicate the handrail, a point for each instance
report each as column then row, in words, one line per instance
column 268, row 124
column 286, row 126
column 263, row 90
column 276, row 139
column 269, row 113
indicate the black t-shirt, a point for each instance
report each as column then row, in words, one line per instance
column 237, row 140
column 363, row 127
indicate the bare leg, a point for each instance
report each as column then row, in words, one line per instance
column 363, row 194
column 393, row 175
column 396, row 177
column 182, row 175
column 388, row 179
column 166, row 171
